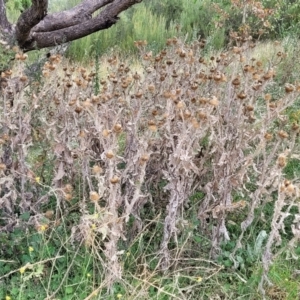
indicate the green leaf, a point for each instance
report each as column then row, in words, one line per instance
column 227, row 263
column 239, row 259
column 25, row 216
column 197, row 239
column 69, row 290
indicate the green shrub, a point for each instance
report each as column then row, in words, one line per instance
column 6, row 57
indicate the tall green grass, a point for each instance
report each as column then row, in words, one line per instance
column 155, row 22
column 138, row 23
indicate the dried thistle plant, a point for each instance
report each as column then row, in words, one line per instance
column 199, row 123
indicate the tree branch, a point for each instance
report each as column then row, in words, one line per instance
column 36, row 30
column 75, row 23
column 71, row 17
column 4, row 24
column 29, row 18
column 53, row 38
column 118, row 6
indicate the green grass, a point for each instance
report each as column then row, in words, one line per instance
column 54, row 265
column 57, row 267
column 131, row 27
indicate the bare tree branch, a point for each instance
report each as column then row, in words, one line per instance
column 76, row 15
column 29, row 18
column 35, row 29
column 4, row 24
column 57, row 37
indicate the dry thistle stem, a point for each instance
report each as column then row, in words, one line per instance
column 189, row 124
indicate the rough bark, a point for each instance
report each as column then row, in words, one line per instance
column 71, row 17
column 4, row 24
column 29, row 18
column 35, row 29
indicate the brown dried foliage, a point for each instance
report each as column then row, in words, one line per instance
column 199, row 123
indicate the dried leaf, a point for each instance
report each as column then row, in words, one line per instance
column 60, row 173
